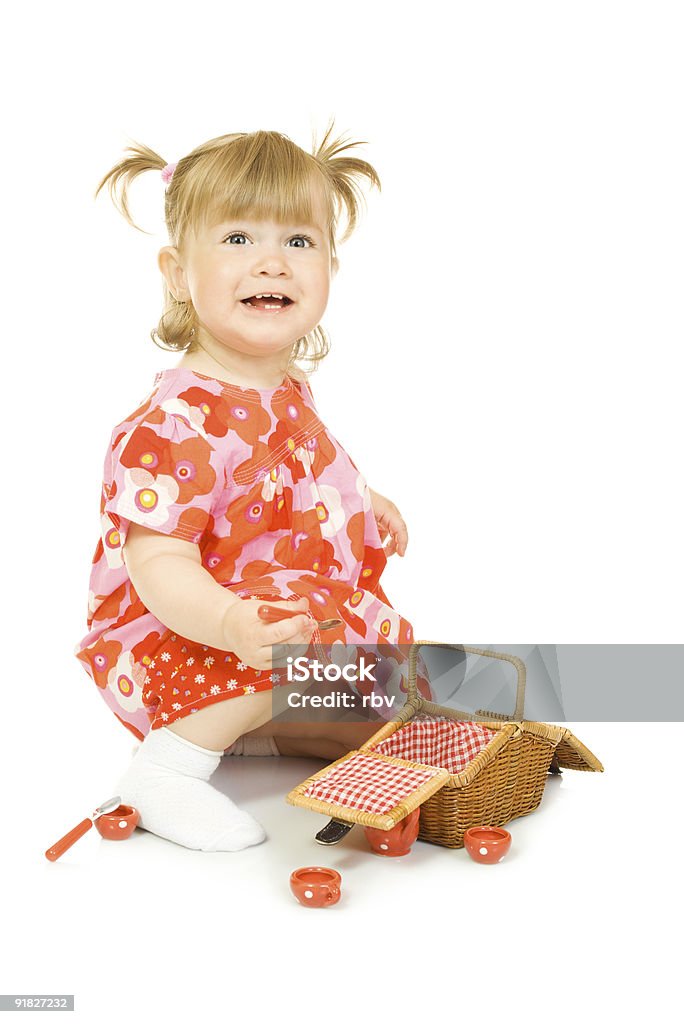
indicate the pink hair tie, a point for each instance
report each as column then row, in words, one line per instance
column 167, row 173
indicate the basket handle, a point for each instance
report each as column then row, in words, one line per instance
column 518, row 664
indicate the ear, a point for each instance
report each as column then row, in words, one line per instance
column 169, row 262
column 335, row 265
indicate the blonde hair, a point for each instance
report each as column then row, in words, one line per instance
column 260, row 174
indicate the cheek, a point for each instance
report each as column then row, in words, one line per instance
column 320, row 289
column 213, row 285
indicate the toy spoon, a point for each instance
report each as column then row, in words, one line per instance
column 70, row 838
column 269, row 614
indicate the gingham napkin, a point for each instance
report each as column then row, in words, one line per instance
column 442, row 742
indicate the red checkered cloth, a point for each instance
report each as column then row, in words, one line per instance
column 442, row 742
column 368, row 784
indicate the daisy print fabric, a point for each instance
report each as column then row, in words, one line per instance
column 279, row 511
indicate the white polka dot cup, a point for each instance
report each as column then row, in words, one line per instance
column 118, row 824
column 316, row 886
column 397, row 841
column 486, row 844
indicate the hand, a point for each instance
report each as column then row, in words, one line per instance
column 390, row 524
column 251, row 638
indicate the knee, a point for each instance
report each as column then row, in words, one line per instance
column 221, row 723
column 352, row 734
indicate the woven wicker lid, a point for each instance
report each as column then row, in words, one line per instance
column 365, row 788
column 571, row 753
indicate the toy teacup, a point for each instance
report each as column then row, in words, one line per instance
column 486, row 844
column 118, row 824
column 397, row 841
column 316, row 886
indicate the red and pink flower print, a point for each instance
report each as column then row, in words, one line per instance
column 277, row 508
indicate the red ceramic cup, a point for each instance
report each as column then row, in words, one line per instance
column 397, row 841
column 118, row 824
column 487, row 844
column 316, row 886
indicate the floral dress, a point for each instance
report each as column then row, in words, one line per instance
column 278, row 510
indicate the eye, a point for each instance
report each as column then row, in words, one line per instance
column 235, row 234
column 304, row 238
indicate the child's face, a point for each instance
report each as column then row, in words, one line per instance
column 235, row 260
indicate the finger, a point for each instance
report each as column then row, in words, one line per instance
column 285, row 631
column 290, row 652
column 294, row 647
column 401, row 537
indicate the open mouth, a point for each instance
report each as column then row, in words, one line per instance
column 269, row 301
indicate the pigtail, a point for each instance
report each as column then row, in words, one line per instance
column 342, row 173
column 119, row 178
column 175, row 329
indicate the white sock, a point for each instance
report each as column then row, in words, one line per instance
column 167, row 782
column 253, row 746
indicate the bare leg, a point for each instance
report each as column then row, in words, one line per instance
column 327, row 740
column 220, row 724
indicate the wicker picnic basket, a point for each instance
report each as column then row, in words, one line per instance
column 461, row 770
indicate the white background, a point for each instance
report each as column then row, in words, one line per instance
column 506, row 330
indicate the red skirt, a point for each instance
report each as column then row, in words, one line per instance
column 182, row 677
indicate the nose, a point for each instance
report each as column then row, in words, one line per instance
column 271, row 262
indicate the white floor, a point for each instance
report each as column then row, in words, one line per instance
column 577, row 920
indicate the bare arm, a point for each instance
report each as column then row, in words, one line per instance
column 172, row 583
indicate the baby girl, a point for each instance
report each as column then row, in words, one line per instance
column 224, row 485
